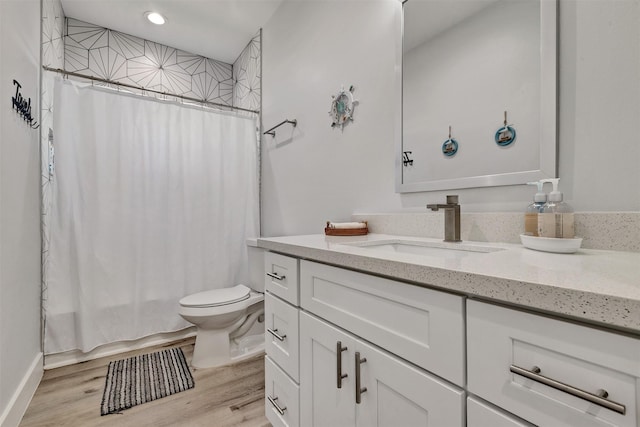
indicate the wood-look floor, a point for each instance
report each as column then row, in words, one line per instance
column 231, row 395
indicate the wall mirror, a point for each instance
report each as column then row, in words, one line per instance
column 464, row 64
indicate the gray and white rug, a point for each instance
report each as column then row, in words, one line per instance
column 144, row 378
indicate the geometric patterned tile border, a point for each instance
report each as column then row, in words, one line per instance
column 52, row 31
column 97, row 51
column 247, row 76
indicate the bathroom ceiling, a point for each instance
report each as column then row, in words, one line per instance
column 218, row 29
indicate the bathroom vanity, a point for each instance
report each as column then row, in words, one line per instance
column 385, row 330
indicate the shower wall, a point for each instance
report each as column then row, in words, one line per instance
column 89, row 49
column 52, row 56
column 247, row 75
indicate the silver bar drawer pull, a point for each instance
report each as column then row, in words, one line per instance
column 275, row 276
column 275, row 405
column 359, row 390
column 598, row 399
column 275, row 333
column 340, row 375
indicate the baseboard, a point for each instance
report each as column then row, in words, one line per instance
column 20, row 400
column 57, row 360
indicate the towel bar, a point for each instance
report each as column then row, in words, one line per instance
column 272, row 131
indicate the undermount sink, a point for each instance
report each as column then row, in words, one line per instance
column 431, row 249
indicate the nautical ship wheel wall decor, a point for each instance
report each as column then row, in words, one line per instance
column 342, row 105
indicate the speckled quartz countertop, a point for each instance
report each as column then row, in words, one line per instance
column 595, row 286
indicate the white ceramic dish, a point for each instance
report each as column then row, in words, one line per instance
column 551, row 244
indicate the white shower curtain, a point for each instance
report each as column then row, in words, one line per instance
column 151, row 201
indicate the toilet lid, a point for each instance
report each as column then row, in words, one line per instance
column 216, row 297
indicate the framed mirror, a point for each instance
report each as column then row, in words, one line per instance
column 465, row 65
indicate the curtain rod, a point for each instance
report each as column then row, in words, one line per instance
column 187, row 98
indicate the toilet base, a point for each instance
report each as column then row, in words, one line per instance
column 213, row 348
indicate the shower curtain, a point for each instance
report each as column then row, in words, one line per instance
column 151, row 201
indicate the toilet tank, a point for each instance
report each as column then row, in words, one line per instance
column 256, row 265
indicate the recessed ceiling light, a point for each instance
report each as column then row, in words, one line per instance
column 155, row 18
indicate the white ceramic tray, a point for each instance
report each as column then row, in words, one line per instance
column 551, row 244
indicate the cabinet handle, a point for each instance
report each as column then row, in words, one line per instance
column 275, row 405
column 275, row 333
column 275, row 276
column 340, row 375
column 598, row 399
column 359, row 390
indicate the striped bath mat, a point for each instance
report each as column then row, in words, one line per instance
column 144, row 378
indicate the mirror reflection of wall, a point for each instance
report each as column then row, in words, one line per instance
column 464, row 64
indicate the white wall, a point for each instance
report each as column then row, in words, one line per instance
column 311, row 49
column 316, row 173
column 20, row 356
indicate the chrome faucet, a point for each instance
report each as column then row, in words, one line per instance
column 451, row 218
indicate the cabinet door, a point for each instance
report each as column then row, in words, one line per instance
column 399, row 394
column 322, row 403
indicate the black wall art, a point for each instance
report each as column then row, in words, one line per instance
column 22, row 106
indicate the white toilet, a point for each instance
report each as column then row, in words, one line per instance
column 230, row 321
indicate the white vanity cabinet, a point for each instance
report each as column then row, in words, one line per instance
column 552, row 372
column 368, row 346
column 374, row 351
column 281, row 340
column 345, row 381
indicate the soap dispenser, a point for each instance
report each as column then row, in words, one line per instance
column 556, row 217
column 533, row 210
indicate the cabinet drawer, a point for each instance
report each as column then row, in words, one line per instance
column 281, row 334
column 282, row 396
column 501, row 340
column 281, row 276
column 423, row 326
column 479, row 414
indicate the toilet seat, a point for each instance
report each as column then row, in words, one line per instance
column 216, row 297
